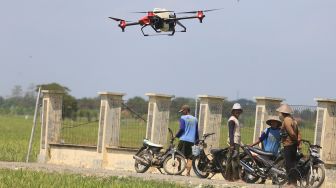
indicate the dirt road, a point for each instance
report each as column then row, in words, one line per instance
column 192, row 181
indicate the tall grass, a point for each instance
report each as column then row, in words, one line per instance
column 14, row 138
column 27, row 179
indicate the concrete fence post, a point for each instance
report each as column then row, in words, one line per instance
column 325, row 129
column 266, row 106
column 51, row 122
column 210, row 118
column 158, row 117
column 109, row 122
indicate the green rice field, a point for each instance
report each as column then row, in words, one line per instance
column 15, row 133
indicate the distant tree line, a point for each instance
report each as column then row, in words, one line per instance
column 22, row 102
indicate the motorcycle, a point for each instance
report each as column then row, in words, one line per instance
column 310, row 168
column 205, row 164
column 257, row 164
column 151, row 155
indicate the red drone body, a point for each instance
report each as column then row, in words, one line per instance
column 162, row 20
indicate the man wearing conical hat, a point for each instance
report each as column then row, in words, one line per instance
column 289, row 134
column 270, row 137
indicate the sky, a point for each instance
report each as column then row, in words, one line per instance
column 284, row 49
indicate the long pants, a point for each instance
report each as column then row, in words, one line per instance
column 290, row 163
column 232, row 165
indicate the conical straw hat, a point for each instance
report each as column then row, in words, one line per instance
column 273, row 118
column 285, row 108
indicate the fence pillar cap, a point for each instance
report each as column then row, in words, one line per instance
column 325, row 100
column 269, row 98
column 52, row 92
column 111, row 93
column 211, row 97
column 159, row 95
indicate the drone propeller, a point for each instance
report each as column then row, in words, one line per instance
column 194, row 12
column 118, row 19
column 158, row 11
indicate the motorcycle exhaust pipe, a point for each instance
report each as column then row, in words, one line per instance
column 277, row 171
column 143, row 161
column 247, row 167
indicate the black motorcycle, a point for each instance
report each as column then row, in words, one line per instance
column 206, row 164
column 257, row 164
column 310, row 169
column 151, row 155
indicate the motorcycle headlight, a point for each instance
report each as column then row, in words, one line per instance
column 314, row 154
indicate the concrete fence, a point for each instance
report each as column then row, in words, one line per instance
column 108, row 155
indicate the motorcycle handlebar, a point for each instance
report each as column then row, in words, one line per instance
column 311, row 145
column 207, row 135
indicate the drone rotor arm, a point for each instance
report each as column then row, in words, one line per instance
column 123, row 23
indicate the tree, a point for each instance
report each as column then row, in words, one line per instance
column 89, row 103
column 31, row 91
column 2, row 100
column 17, row 91
column 138, row 104
column 69, row 102
column 178, row 102
column 227, row 107
column 54, row 86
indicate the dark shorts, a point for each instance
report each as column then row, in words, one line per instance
column 186, row 148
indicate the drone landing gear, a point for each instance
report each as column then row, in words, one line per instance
column 181, row 25
column 184, row 29
column 144, row 34
column 173, row 31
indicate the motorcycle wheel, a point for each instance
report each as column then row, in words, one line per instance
column 223, row 161
column 174, row 166
column 302, row 181
column 198, row 166
column 246, row 176
column 317, row 178
column 142, row 168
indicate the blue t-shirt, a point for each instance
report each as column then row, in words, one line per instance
column 188, row 128
column 271, row 140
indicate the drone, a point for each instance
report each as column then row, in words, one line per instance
column 162, row 21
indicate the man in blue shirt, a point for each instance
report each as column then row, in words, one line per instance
column 270, row 137
column 188, row 135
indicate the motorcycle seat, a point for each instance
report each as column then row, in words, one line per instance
column 216, row 151
column 152, row 144
column 261, row 152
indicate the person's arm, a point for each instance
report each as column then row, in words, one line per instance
column 182, row 127
column 261, row 138
column 196, row 136
column 288, row 125
column 231, row 132
column 255, row 143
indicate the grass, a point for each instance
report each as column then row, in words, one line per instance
column 14, row 138
column 25, row 178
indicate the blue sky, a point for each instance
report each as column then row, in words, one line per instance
column 252, row 48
